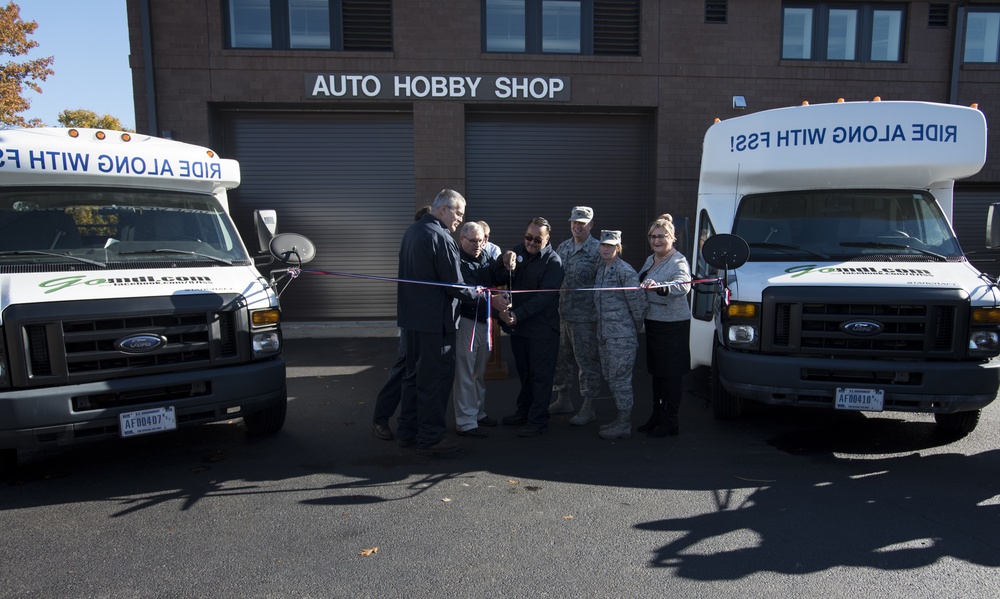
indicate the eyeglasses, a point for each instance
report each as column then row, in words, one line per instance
column 475, row 241
column 657, row 237
column 537, row 240
column 458, row 213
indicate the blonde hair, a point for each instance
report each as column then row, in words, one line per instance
column 667, row 224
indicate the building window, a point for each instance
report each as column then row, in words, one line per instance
column 861, row 32
column 309, row 23
column 561, row 26
column 352, row 25
column 982, row 35
column 250, row 23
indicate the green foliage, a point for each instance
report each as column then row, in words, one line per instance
column 90, row 119
column 15, row 76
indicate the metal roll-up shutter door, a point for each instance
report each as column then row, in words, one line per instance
column 970, row 212
column 519, row 166
column 343, row 180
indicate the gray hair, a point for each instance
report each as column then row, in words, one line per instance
column 447, row 197
column 472, row 226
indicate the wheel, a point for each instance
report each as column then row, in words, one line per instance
column 725, row 405
column 957, row 424
column 269, row 420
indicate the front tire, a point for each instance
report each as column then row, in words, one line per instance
column 725, row 405
column 269, row 420
column 957, row 424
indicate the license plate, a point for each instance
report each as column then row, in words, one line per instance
column 867, row 400
column 153, row 420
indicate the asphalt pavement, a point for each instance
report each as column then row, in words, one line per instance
column 781, row 503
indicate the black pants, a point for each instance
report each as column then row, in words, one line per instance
column 389, row 396
column 430, row 372
column 535, row 358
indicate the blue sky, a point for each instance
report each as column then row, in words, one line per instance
column 89, row 41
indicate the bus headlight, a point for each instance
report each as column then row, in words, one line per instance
column 983, row 343
column 266, row 343
column 742, row 334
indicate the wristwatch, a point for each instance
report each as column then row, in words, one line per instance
column 513, row 319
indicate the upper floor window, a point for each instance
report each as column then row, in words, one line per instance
column 561, row 26
column 354, row 25
column 982, row 35
column 858, row 32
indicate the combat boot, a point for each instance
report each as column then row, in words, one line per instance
column 562, row 404
column 621, row 428
column 586, row 414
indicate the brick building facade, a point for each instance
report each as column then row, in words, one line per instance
column 643, row 98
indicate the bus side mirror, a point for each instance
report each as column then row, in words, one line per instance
column 266, row 223
column 993, row 227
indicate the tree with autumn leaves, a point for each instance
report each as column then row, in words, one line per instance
column 15, row 76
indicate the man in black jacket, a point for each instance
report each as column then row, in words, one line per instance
column 532, row 319
column 429, row 314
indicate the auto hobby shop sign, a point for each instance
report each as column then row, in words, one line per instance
column 324, row 86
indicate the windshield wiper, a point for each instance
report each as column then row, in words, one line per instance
column 225, row 261
column 788, row 249
column 893, row 246
column 56, row 254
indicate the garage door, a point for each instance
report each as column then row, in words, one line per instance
column 519, row 166
column 970, row 211
column 343, row 180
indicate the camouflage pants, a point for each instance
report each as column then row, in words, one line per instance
column 578, row 349
column 617, row 365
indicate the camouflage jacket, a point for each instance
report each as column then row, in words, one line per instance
column 581, row 267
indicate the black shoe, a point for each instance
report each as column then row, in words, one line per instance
column 652, row 423
column 665, row 430
column 382, row 431
column 477, row 432
column 487, row 421
column 530, row 430
column 444, row 446
column 408, row 442
column 514, row 420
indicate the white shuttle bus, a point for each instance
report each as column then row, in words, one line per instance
column 855, row 294
column 128, row 303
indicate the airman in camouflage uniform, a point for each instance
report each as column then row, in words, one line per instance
column 619, row 319
column 578, row 333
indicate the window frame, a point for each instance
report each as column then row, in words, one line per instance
column 281, row 34
column 970, row 10
column 534, row 30
column 819, row 45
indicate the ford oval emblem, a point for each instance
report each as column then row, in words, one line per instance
column 861, row 328
column 138, row 344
